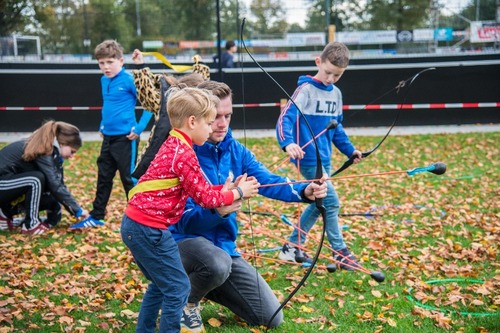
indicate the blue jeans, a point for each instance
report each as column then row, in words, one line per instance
column 157, row 255
column 311, row 213
column 229, row 281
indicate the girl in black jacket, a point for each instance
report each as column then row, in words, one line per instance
column 32, row 179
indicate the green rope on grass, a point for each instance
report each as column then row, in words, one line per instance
column 464, row 313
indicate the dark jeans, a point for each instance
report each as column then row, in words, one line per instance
column 157, row 255
column 229, row 281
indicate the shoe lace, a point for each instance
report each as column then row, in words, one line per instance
column 194, row 316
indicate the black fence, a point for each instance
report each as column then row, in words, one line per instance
column 31, row 93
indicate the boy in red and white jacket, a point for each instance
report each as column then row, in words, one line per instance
column 158, row 201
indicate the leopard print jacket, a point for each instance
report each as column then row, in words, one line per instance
column 148, row 86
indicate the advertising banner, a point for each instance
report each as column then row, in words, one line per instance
column 484, row 31
column 367, row 37
column 443, row 34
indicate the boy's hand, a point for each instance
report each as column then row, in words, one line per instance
column 84, row 214
column 138, row 57
column 132, row 135
column 317, row 191
column 294, row 151
column 249, row 186
column 358, row 156
column 229, row 185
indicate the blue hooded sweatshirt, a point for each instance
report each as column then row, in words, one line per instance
column 320, row 104
column 229, row 157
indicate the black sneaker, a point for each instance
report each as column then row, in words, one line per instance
column 191, row 319
column 294, row 254
column 346, row 260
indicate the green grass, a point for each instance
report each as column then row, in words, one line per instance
column 428, row 227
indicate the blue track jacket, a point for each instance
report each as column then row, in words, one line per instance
column 320, row 104
column 118, row 110
column 229, row 157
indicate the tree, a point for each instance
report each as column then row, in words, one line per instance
column 150, row 17
column 487, row 10
column 108, row 22
column 397, row 14
column 344, row 14
column 58, row 25
column 270, row 17
column 197, row 19
column 13, row 16
column 231, row 12
column 460, row 21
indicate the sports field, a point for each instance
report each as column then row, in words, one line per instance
column 434, row 237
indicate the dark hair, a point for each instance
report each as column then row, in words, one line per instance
column 336, row 53
column 108, row 49
column 219, row 89
column 42, row 140
column 230, row 44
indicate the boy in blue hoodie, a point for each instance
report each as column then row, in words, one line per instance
column 119, row 129
column 320, row 101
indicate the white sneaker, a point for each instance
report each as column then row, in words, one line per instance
column 191, row 321
column 294, row 254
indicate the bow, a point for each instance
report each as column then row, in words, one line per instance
column 400, row 85
column 319, row 174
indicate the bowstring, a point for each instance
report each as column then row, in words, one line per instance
column 250, row 215
column 318, row 201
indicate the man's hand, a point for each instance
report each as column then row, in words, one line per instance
column 294, row 151
column 226, row 210
column 318, row 191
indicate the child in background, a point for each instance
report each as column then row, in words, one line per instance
column 119, row 129
column 158, row 202
column 32, row 178
column 320, row 101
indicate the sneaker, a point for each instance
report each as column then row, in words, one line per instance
column 346, row 260
column 5, row 222
column 38, row 229
column 89, row 222
column 191, row 319
column 295, row 254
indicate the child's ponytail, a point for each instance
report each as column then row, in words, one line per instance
column 41, row 142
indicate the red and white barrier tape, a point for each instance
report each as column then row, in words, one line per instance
column 421, row 106
column 265, row 105
column 49, row 108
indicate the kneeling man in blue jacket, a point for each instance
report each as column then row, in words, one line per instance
column 206, row 237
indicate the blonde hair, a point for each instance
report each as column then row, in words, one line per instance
column 186, row 102
column 336, row 53
column 41, row 142
column 109, row 49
